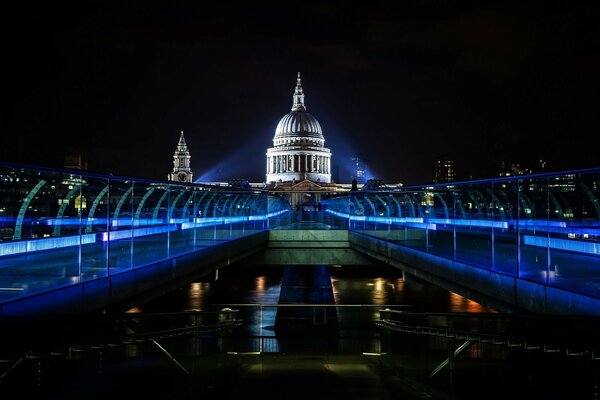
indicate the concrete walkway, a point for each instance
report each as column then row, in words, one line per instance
column 315, row 377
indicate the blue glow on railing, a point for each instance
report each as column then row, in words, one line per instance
column 27, row 246
column 408, row 221
column 562, row 227
column 267, row 216
column 578, row 246
column 538, row 223
column 430, row 223
column 137, row 232
column 62, row 221
column 210, row 221
column 479, row 223
column 121, row 222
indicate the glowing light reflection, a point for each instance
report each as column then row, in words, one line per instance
column 459, row 303
column 196, row 295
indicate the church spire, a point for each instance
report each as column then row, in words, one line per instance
column 182, row 142
column 299, row 96
column 181, row 162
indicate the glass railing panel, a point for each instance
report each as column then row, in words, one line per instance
column 534, row 227
column 544, row 228
column 39, row 223
column 181, row 220
column 61, row 227
column 121, row 213
column 150, row 223
column 474, row 225
column 439, row 208
column 505, row 212
column 574, row 232
column 94, row 205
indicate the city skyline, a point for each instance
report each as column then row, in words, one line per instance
column 487, row 83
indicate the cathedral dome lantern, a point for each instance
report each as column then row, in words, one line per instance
column 298, row 150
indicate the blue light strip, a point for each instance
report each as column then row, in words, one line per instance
column 562, row 227
column 408, row 221
column 137, row 232
column 578, row 246
column 27, row 246
column 478, row 223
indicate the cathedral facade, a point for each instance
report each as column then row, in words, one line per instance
column 298, row 151
column 299, row 164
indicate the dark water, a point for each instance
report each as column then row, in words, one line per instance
column 360, row 292
column 377, row 286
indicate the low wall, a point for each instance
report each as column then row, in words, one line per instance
column 309, row 247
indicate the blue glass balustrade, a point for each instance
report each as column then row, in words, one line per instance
column 544, row 228
column 62, row 227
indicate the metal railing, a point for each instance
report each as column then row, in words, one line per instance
column 543, row 228
column 61, row 227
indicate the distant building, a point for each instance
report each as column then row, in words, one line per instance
column 75, row 161
column 360, row 172
column 181, row 163
column 542, row 166
column 299, row 164
column 298, row 151
column 515, row 169
column 444, row 170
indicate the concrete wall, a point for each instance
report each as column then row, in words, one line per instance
column 309, row 247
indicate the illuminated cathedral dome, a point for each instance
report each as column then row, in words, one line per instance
column 298, row 123
column 298, row 150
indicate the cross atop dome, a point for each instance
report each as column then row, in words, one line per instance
column 299, row 96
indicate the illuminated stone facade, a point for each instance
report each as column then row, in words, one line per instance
column 298, row 151
column 181, row 163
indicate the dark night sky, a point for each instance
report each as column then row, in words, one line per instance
column 398, row 82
